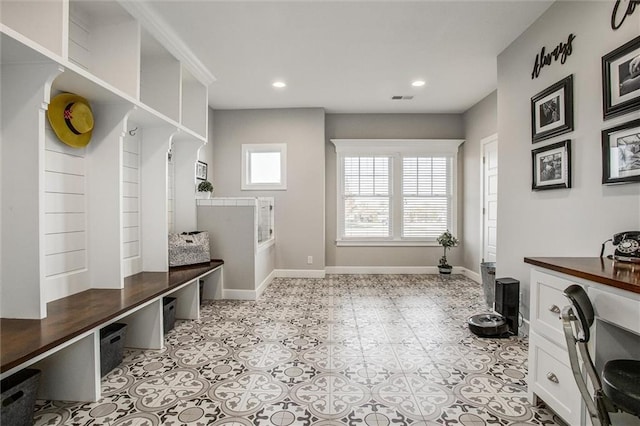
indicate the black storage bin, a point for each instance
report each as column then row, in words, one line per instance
column 19, row 393
column 169, row 313
column 111, row 345
column 201, row 284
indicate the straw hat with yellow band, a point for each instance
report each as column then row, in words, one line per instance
column 71, row 119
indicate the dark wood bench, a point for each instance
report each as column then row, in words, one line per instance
column 73, row 323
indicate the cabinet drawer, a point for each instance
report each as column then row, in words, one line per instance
column 551, row 379
column 547, row 301
column 623, row 311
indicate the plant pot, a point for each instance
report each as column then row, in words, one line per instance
column 203, row 195
column 445, row 269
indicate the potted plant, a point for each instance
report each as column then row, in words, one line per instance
column 446, row 240
column 205, row 188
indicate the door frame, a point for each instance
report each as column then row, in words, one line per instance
column 483, row 144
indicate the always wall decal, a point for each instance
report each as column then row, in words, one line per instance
column 621, row 10
column 561, row 52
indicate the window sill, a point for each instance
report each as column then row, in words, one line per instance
column 386, row 243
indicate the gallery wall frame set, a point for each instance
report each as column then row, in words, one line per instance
column 552, row 110
column 621, row 153
column 201, row 170
column 621, row 80
column 551, row 166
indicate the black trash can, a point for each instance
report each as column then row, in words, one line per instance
column 19, row 393
column 111, row 346
column 169, row 313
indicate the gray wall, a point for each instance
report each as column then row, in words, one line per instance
column 385, row 126
column 565, row 222
column 480, row 121
column 299, row 218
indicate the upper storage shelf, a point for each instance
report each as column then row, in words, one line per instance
column 115, row 45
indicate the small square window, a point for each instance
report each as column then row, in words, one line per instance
column 264, row 166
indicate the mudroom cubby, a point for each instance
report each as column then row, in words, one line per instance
column 194, row 104
column 45, row 22
column 72, row 217
column 105, row 40
column 159, row 78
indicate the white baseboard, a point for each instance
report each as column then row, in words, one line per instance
column 249, row 294
column 347, row 270
column 239, row 294
column 389, row 270
column 473, row 275
column 263, row 286
column 299, row 273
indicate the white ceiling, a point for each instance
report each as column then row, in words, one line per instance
column 350, row 56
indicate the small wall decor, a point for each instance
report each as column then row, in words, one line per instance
column 562, row 51
column 552, row 110
column 621, row 153
column 551, row 166
column 201, row 170
column 621, row 79
column 621, row 10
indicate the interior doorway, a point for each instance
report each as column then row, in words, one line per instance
column 489, row 193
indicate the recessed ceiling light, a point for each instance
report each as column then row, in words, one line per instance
column 279, row 84
column 418, row 83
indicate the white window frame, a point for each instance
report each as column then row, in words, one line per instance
column 396, row 149
column 247, row 150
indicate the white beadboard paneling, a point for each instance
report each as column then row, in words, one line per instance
column 64, row 163
column 130, row 190
column 131, row 249
column 63, row 183
column 131, row 145
column 65, row 242
column 130, row 205
column 56, row 223
column 64, row 203
column 129, row 220
column 130, row 234
column 52, row 143
column 130, row 175
column 130, row 160
column 65, row 262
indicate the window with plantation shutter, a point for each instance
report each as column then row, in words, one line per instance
column 366, row 197
column 426, row 196
column 395, row 192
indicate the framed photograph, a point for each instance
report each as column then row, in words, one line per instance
column 552, row 111
column 621, row 80
column 621, row 153
column 201, row 170
column 551, row 166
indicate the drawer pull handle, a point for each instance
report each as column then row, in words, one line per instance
column 552, row 378
column 554, row 309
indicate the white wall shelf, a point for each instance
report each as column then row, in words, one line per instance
column 71, row 217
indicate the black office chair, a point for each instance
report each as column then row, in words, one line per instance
column 620, row 385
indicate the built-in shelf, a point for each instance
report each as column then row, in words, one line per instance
column 72, row 217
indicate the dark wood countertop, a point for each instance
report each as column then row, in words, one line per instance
column 617, row 274
column 24, row 339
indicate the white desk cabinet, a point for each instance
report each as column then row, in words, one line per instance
column 614, row 290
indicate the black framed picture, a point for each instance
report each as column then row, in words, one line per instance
column 551, row 166
column 201, row 170
column 621, row 80
column 552, row 110
column 621, row 153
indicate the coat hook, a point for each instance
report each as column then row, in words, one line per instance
column 133, row 132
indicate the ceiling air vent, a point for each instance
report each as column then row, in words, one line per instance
column 401, row 98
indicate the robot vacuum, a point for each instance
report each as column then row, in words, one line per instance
column 488, row 325
column 503, row 322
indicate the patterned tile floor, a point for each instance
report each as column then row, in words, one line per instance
column 369, row 350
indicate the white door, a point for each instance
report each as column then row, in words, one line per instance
column 489, row 198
